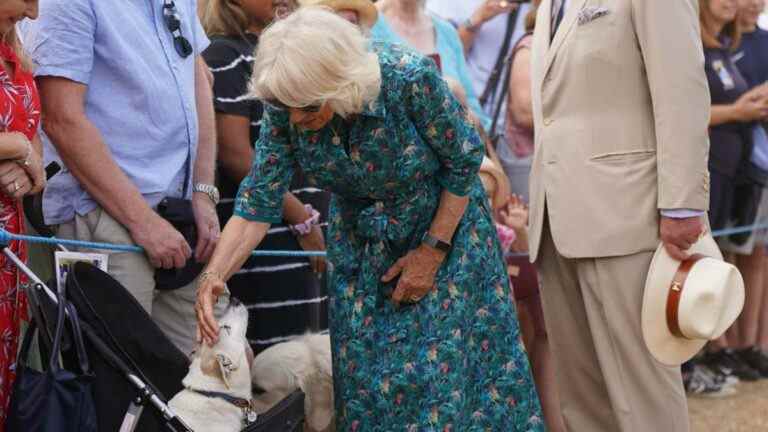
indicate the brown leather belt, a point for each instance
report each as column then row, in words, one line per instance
column 676, row 291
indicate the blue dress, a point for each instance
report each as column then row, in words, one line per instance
column 454, row 361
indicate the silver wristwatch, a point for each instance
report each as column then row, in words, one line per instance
column 210, row 190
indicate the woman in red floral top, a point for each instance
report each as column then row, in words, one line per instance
column 21, row 173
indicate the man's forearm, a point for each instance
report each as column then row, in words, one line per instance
column 85, row 154
column 205, row 162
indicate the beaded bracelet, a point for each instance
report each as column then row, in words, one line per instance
column 305, row 227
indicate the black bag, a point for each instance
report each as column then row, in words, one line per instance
column 57, row 400
column 179, row 213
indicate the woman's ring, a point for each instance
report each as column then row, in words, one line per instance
column 415, row 299
column 16, row 186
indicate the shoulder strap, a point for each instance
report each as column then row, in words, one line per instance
column 493, row 80
column 504, row 91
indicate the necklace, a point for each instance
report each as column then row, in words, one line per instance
column 336, row 140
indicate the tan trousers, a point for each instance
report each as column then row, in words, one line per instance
column 172, row 311
column 608, row 381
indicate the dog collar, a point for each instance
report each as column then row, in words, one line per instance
column 244, row 404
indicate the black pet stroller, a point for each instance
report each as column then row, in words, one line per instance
column 137, row 369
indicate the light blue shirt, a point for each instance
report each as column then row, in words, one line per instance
column 141, row 92
column 451, row 51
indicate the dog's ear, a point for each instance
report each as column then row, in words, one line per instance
column 226, row 367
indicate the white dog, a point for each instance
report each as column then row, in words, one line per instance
column 217, row 390
column 303, row 363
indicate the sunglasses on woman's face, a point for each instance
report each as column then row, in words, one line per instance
column 276, row 104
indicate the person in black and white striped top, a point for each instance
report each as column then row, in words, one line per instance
column 284, row 295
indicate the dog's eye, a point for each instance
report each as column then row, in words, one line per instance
column 228, row 329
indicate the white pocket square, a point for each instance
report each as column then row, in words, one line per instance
column 589, row 14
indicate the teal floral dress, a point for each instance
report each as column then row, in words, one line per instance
column 454, row 361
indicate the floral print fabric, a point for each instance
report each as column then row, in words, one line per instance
column 19, row 112
column 454, row 361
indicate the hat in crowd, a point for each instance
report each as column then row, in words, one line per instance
column 366, row 11
column 494, row 182
column 687, row 304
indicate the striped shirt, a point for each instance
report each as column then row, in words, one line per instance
column 284, row 297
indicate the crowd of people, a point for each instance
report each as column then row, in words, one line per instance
column 736, row 64
column 359, row 128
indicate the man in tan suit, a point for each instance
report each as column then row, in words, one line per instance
column 621, row 107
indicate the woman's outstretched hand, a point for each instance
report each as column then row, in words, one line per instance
column 417, row 272
column 210, row 287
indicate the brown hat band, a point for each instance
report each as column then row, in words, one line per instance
column 676, row 292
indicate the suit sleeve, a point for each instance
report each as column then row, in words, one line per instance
column 669, row 36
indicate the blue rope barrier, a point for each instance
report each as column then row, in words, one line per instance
column 739, row 230
column 6, row 237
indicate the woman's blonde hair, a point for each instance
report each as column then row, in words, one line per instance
column 223, row 18
column 314, row 56
column 11, row 38
column 731, row 30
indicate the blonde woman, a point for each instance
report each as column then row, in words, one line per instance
column 21, row 173
column 234, row 27
column 423, row 325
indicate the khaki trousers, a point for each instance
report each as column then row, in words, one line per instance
column 608, row 381
column 172, row 311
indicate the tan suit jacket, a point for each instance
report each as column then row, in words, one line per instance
column 621, row 107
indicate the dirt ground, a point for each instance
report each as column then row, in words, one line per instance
column 746, row 411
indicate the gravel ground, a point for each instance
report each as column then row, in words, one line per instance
column 746, row 411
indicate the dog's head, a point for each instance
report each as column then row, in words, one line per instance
column 226, row 365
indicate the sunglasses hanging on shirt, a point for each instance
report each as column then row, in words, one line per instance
column 173, row 22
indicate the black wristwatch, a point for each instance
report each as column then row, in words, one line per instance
column 436, row 243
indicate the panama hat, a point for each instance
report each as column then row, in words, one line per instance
column 687, row 304
column 366, row 11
